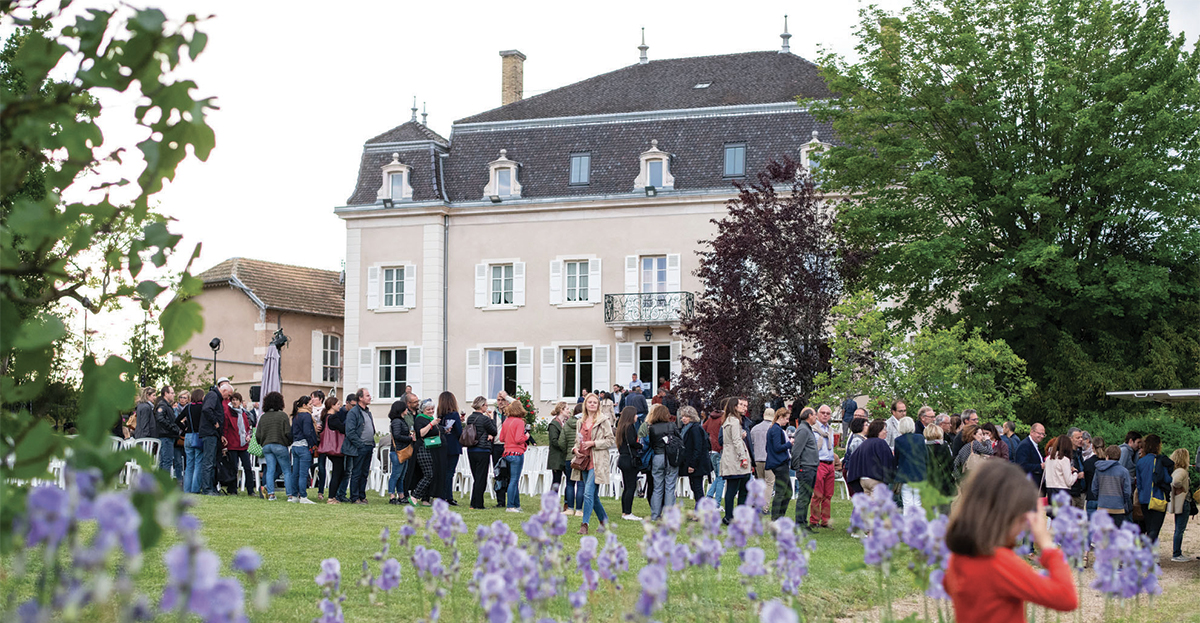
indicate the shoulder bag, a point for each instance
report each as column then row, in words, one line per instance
column 469, row 436
column 331, row 442
column 1156, row 503
column 254, row 448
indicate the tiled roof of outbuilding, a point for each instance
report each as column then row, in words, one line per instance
column 734, row 79
column 283, row 286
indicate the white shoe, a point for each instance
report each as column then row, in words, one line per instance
column 306, row 501
column 291, row 499
column 1181, row 559
column 568, row 512
column 579, row 513
column 631, row 517
column 512, row 510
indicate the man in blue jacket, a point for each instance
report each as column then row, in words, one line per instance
column 1029, row 456
column 359, row 445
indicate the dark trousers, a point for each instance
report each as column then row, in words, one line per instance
column 629, row 479
column 783, row 491
column 500, row 483
column 735, row 489
column 337, row 478
column 208, row 465
column 480, row 463
column 243, row 457
column 1154, row 522
column 319, row 474
column 358, row 482
column 451, row 467
column 696, row 480
column 556, row 477
column 806, row 481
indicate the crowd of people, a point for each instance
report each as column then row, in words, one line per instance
column 205, row 436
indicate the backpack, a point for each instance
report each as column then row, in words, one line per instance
column 647, row 454
column 469, row 436
column 674, row 449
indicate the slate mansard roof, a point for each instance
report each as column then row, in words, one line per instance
column 750, row 99
column 281, row 286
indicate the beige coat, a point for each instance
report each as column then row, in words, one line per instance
column 603, row 439
column 1179, row 478
column 733, row 450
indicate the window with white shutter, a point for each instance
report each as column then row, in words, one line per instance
column 525, row 369
column 625, row 363
column 474, row 374
column 372, row 287
column 366, row 361
column 549, row 384
column 416, row 370
column 600, row 378
column 556, row 282
column 317, row 353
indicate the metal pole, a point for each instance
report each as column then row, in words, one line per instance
column 214, row 367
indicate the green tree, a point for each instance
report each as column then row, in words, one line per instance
column 49, row 142
column 1032, row 168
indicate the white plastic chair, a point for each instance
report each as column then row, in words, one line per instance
column 844, row 490
column 132, row 467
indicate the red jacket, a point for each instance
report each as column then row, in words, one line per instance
column 995, row 588
column 712, row 426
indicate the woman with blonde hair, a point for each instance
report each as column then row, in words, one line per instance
column 591, row 463
column 1179, row 504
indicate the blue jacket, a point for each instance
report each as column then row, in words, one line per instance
column 873, row 459
column 450, row 443
column 1112, row 487
column 911, row 458
column 1012, row 441
column 778, row 447
column 302, row 428
column 352, row 445
column 1153, row 473
column 1030, row 460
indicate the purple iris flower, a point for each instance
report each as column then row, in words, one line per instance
column 246, row 560
column 48, row 516
column 775, row 612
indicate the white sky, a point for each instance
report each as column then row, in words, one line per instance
column 302, row 85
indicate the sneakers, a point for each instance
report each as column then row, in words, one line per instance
column 271, row 498
column 1181, row 559
column 579, row 513
column 292, row 499
column 512, row 510
column 568, row 512
column 631, row 517
column 306, row 501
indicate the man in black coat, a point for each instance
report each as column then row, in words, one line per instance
column 212, row 418
column 696, row 463
column 339, row 480
column 167, row 431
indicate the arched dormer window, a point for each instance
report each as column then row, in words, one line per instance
column 502, row 179
column 655, row 170
column 810, row 154
column 396, row 185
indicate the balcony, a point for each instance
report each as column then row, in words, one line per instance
column 650, row 309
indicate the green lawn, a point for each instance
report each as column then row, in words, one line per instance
column 293, row 539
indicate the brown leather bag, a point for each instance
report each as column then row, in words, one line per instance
column 404, row 455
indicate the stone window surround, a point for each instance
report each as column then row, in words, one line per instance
column 503, row 163
column 385, row 189
column 815, row 145
column 643, row 178
column 575, row 257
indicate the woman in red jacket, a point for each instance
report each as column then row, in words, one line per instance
column 986, row 580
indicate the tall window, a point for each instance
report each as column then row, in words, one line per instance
column 393, row 372
column 581, row 169
column 655, row 168
column 654, row 362
column 577, row 281
column 501, row 372
column 393, row 287
column 504, row 182
column 654, row 274
column 576, row 370
column 735, row 160
column 502, row 284
column 331, row 359
column 397, row 180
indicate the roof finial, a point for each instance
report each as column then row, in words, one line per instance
column 414, row 108
column 424, row 114
column 643, row 59
column 787, row 49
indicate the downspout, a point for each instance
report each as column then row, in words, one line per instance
column 445, row 276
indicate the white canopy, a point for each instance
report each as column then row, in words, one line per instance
column 1165, row 396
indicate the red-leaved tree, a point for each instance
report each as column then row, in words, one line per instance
column 771, row 276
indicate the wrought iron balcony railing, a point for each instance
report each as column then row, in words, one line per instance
column 653, row 308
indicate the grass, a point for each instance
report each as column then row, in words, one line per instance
column 293, row 539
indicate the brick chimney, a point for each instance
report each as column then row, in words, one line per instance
column 512, row 77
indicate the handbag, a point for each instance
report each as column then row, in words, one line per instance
column 434, row 441
column 331, row 442
column 254, row 448
column 192, row 440
column 404, row 455
column 973, row 461
column 1156, row 504
column 469, row 436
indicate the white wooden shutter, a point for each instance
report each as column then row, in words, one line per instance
column 373, row 287
column 410, row 286
column 525, row 369
column 474, row 374
column 625, row 363
column 594, row 281
column 318, row 350
column 481, row 285
column 600, row 378
column 676, row 362
column 366, row 365
column 556, row 282
column 673, row 273
column 519, row 288
column 631, row 274
column 414, row 371
column 549, row 380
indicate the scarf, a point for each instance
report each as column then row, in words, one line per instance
column 241, row 425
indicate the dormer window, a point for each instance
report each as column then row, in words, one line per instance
column 503, row 181
column 655, row 170
column 810, row 154
column 396, row 184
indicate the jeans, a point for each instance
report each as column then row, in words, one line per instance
column 806, row 479
column 591, row 498
column 397, row 475
column 735, row 489
column 575, row 492
column 166, row 454
column 910, row 496
column 297, row 482
column 191, row 476
column 1181, row 521
column 362, row 469
column 665, row 480
column 718, row 484
column 208, row 465
column 515, row 463
column 783, row 491
column 277, row 463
